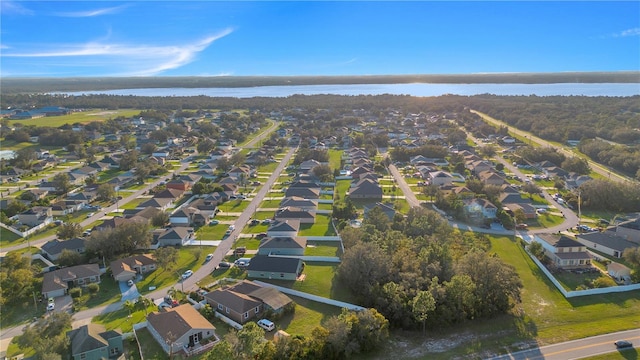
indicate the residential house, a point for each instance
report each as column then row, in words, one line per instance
column 173, row 194
column 57, row 283
column 309, row 164
column 288, row 213
column 237, row 306
column 282, row 246
column 158, row 203
column 365, row 189
column 607, row 242
column 528, row 210
column 489, row 177
column 94, row 342
column 179, row 184
column 564, row 252
column 267, row 267
column 180, row 328
column 35, row 216
column 242, row 172
column 629, row 230
column 189, row 216
column 440, row 178
column 127, row 268
column 175, row 236
column 301, row 192
column 513, row 198
column 61, row 208
column 478, row 210
column 284, row 228
column 387, row 209
column 304, row 204
column 478, row 166
column 52, row 249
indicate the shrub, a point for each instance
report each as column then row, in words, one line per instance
column 75, row 292
column 93, row 288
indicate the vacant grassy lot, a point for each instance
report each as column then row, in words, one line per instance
column 121, row 319
column 211, row 232
column 319, row 281
column 79, row 117
column 190, row 257
column 307, row 316
column 322, row 248
column 551, row 317
column 8, row 238
column 335, row 159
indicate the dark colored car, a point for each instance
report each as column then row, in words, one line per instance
column 224, row 265
column 621, row 344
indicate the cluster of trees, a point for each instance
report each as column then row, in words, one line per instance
column 18, row 279
column 126, row 238
column 607, row 195
column 304, row 154
column 418, row 272
column 539, row 154
column 623, row 158
column 430, row 151
column 48, row 336
column 341, row 337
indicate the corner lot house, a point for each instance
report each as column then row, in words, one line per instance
column 57, row 283
column 266, row 267
column 565, row 252
column 245, row 300
column 180, row 329
column 127, row 268
column 94, row 342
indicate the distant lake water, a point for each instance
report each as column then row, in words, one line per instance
column 564, row 89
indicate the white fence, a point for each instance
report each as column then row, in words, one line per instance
column 331, row 259
column 340, row 304
column 576, row 293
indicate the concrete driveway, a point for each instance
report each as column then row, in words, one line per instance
column 128, row 292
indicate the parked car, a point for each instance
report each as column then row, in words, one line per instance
column 266, row 324
column 90, row 215
column 51, row 306
column 214, row 222
column 209, row 257
column 522, row 226
column 261, row 236
column 232, row 227
column 187, row 274
column 266, row 221
column 130, row 283
column 240, row 250
column 620, row 344
column 225, row 264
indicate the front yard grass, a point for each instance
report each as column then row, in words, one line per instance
column 211, row 232
column 8, row 238
column 109, row 293
column 249, row 243
column 233, row 206
column 547, row 220
column 120, row 319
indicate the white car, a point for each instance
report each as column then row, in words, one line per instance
column 187, row 274
column 51, row 306
column 90, row 215
column 129, row 282
column 232, row 227
column 209, row 257
column 266, row 324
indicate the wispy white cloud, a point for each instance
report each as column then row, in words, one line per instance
column 12, row 7
column 92, row 13
column 628, row 32
column 124, row 59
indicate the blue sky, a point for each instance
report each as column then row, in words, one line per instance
column 209, row 38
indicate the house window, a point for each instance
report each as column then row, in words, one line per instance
column 246, row 315
column 115, row 351
column 80, row 281
column 83, row 356
column 281, row 275
column 257, row 309
column 220, row 307
column 227, row 310
column 93, row 279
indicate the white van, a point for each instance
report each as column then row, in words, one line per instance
column 266, row 324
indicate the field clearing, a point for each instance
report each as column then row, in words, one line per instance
column 79, row 117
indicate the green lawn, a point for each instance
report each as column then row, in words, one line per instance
column 108, row 294
column 551, row 318
column 319, row 281
column 269, row 167
column 79, row 117
column 270, row 204
column 249, row 243
column 322, row 248
column 120, row 319
column 8, row 238
column 190, row 258
column 306, row 317
column 150, row 347
column 233, row 206
column 211, row 232
column 322, row 227
column 255, row 229
column 132, row 204
column 335, row 159
column 547, row 220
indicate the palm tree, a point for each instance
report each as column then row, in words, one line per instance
column 129, row 306
column 144, row 303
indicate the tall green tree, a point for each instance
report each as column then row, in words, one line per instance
column 423, row 304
